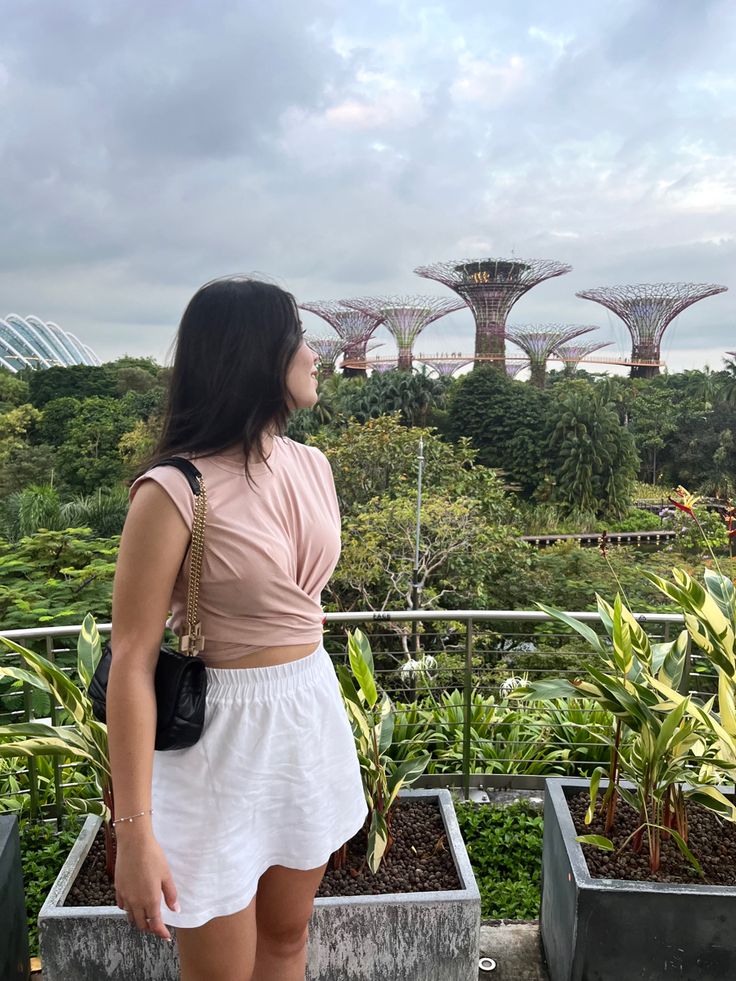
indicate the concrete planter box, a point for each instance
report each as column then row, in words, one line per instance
column 14, row 964
column 403, row 937
column 611, row 929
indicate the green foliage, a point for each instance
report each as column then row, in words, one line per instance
column 591, row 460
column 56, row 417
column 663, row 743
column 505, row 420
column 25, row 464
column 77, row 734
column 372, row 721
column 13, row 390
column 709, row 532
column 43, row 851
column 103, row 512
column 27, row 511
column 55, row 577
column 467, row 522
column 89, row 457
column 551, row 519
column 413, row 396
column 78, row 381
column 504, row 846
column 460, row 554
column 380, row 458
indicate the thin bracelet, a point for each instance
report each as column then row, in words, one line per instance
column 131, row 818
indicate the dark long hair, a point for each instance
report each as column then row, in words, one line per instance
column 228, row 381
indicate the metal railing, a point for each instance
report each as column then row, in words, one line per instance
column 476, row 651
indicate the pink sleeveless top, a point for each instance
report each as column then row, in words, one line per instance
column 269, row 549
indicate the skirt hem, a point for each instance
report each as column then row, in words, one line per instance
column 192, row 920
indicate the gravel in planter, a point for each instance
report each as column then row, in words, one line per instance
column 712, row 841
column 419, row 861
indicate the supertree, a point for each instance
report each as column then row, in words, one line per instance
column 648, row 309
column 539, row 341
column 572, row 354
column 491, row 287
column 328, row 349
column 513, row 368
column 445, row 364
column 357, row 366
column 405, row 317
column 354, row 326
column 384, row 365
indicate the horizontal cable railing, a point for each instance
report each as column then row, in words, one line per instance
column 456, row 708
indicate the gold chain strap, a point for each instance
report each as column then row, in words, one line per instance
column 191, row 641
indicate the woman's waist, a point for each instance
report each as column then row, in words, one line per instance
column 237, row 656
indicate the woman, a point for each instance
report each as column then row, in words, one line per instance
column 228, row 840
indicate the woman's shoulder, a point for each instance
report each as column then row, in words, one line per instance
column 304, row 454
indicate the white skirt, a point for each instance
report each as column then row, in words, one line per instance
column 273, row 780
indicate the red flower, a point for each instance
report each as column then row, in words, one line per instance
column 686, row 502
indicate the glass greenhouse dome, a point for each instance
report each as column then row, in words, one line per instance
column 30, row 343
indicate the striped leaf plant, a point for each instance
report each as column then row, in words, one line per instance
column 372, row 717
column 77, row 735
column 660, row 744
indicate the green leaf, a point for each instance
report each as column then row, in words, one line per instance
column 582, row 628
column 669, row 727
column 594, row 785
column 685, row 850
column 89, row 650
column 362, row 668
column 387, row 721
column 352, row 701
column 377, row 841
column 405, row 773
column 598, row 840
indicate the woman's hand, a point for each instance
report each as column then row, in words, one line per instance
column 141, row 875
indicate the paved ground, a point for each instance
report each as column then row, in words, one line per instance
column 516, row 950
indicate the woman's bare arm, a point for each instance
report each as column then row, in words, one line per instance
column 153, row 545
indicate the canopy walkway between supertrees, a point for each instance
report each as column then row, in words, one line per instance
column 463, row 359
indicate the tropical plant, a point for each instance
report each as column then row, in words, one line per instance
column 372, row 719
column 55, row 577
column 710, row 620
column 103, row 512
column 26, row 512
column 591, row 459
column 504, row 845
column 659, row 745
column 77, row 734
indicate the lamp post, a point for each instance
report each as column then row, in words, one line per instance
column 416, row 587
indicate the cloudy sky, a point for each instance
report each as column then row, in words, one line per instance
column 334, row 146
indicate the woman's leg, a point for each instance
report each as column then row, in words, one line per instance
column 284, row 903
column 223, row 949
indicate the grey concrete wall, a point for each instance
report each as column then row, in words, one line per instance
column 14, row 963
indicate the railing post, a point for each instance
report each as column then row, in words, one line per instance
column 467, row 691
column 56, row 761
column 32, row 769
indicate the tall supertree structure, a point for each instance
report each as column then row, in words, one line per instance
column 445, row 365
column 539, row 341
column 388, row 365
column 647, row 310
column 354, row 326
column 514, row 367
column 328, row 349
column 572, row 354
column 405, row 317
column 491, row 287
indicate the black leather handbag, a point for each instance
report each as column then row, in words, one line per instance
column 180, row 680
